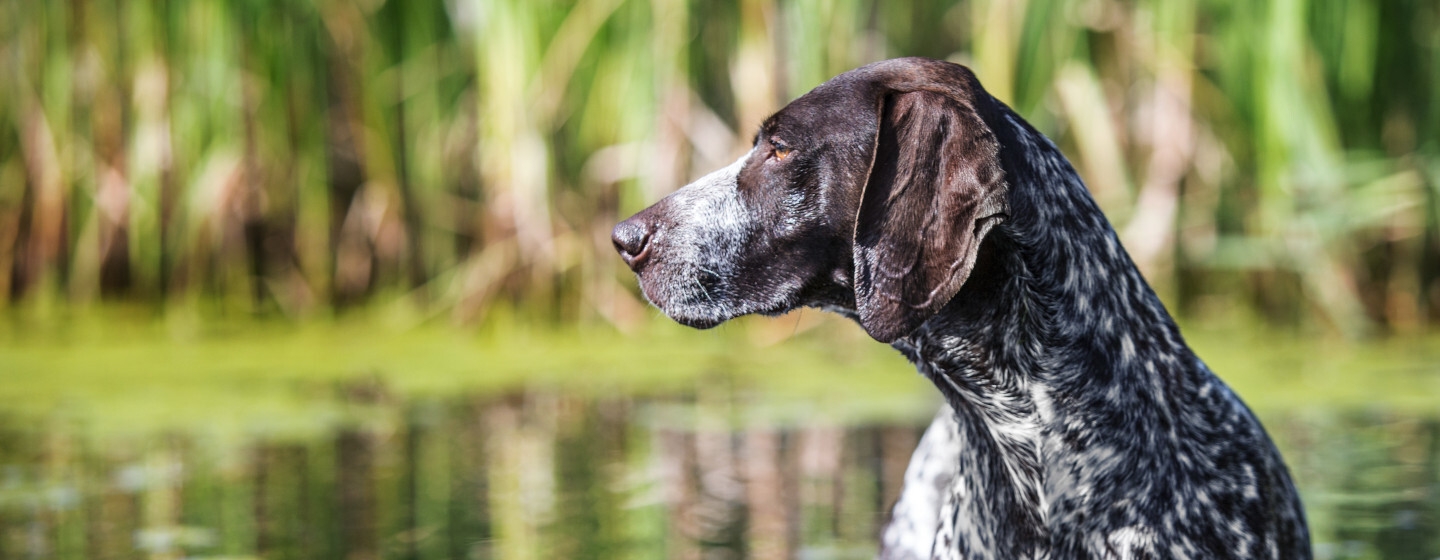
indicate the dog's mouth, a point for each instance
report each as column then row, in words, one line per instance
column 683, row 297
column 704, row 321
column 697, row 322
column 698, row 298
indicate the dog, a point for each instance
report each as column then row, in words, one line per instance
column 1078, row 423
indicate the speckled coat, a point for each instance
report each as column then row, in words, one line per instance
column 1079, row 424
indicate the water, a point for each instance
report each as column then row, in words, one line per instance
column 364, row 442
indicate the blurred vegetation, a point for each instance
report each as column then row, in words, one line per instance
column 164, row 162
column 300, row 158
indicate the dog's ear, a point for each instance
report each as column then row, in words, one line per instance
column 935, row 188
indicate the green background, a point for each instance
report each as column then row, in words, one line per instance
column 333, row 278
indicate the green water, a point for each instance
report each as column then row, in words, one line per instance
column 373, row 439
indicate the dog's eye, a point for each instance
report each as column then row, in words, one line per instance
column 781, row 151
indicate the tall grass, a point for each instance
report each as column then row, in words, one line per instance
column 449, row 156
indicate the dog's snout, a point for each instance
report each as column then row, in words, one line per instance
column 632, row 240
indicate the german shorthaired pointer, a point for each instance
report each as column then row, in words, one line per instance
column 1079, row 424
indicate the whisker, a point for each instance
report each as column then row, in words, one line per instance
column 701, row 285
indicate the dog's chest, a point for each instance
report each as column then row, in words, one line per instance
column 1001, row 504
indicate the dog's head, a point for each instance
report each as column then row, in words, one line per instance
column 872, row 194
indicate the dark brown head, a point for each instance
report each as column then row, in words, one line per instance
column 869, row 195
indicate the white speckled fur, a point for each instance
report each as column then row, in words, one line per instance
column 706, row 245
column 1078, row 425
column 1188, row 472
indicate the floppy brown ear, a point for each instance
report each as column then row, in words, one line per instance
column 936, row 187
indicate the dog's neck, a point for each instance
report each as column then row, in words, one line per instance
column 1055, row 330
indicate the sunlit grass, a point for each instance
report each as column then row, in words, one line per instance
column 263, row 379
column 277, row 379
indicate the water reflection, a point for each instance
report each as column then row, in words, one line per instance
column 551, row 475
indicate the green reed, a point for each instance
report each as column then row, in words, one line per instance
column 300, row 158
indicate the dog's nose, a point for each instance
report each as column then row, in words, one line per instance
column 632, row 240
